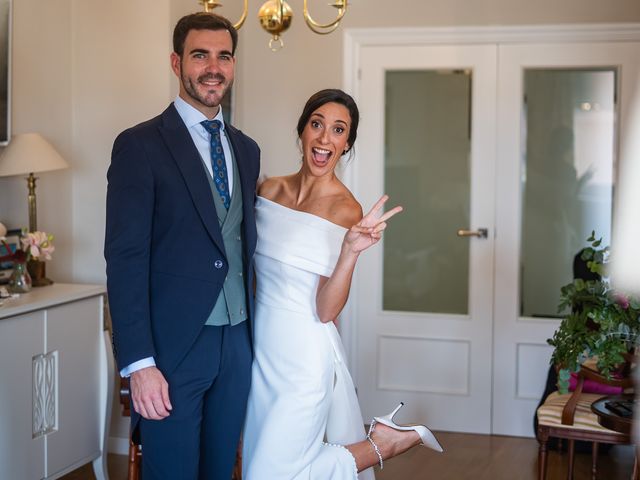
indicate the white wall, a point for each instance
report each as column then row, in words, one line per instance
column 42, row 103
column 83, row 70
column 120, row 77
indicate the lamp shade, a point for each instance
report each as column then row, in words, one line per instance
column 29, row 153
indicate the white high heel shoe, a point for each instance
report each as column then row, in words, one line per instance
column 426, row 436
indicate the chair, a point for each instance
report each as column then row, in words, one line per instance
column 135, row 451
column 569, row 416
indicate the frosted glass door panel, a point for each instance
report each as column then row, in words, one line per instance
column 569, row 118
column 427, row 171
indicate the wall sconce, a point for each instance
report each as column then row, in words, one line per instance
column 275, row 17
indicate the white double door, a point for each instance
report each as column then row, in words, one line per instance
column 454, row 323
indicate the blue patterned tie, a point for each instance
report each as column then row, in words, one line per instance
column 217, row 161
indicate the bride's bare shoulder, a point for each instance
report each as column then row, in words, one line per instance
column 271, row 187
column 345, row 210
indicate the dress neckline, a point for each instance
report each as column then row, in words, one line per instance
column 302, row 212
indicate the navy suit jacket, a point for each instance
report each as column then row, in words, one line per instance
column 163, row 238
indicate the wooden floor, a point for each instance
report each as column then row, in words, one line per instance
column 477, row 457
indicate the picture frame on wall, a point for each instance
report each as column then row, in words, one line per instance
column 5, row 71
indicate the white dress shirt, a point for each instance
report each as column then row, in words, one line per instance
column 201, row 138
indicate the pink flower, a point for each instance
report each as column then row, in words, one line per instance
column 621, row 300
column 38, row 245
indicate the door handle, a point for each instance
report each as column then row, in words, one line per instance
column 480, row 233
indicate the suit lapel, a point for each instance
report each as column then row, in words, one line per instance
column 180, row 145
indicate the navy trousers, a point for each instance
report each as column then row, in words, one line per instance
column 208, row 392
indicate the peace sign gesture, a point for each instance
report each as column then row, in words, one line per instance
column 368, row 231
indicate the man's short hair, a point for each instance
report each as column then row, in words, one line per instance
column 201, row 21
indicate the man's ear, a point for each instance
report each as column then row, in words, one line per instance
column 176, row 61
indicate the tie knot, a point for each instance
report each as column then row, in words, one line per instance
column 211, row 126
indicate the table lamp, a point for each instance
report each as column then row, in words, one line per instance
column 26, row 154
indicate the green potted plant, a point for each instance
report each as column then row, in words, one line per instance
column 602, row 324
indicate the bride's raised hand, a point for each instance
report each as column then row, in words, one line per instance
column 368, row 231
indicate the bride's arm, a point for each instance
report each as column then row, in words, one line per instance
column 334, row 290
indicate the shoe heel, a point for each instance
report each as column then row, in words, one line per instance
column 389, row 416
column 427, row 437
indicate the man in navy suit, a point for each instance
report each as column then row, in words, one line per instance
column 180, row 238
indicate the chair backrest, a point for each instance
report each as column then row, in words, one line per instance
column 588, row 372
column 125, row 397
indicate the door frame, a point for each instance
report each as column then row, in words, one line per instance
column 354, row 40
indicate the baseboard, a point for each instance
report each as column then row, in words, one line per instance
column 118, row 445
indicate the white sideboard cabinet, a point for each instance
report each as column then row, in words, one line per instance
column 56, row 373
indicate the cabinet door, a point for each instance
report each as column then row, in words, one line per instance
column 21, row 339
column 74, row 332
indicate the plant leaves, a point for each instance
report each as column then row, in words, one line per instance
column 602, row 323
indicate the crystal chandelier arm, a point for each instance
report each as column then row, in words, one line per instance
column 323, row 29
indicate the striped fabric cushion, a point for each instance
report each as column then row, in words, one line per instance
column 550, row 413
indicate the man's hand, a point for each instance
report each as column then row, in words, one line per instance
column 150, row 393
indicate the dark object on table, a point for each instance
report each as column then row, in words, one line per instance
column 612, row 420
column 624, row 408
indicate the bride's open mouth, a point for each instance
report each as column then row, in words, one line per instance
column 320, row 156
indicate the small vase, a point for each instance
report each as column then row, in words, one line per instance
column 20, row 281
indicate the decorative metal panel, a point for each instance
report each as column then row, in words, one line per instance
column 45, row 408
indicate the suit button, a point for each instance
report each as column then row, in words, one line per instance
column 218, row 264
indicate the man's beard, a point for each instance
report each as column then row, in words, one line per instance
column 193, row 92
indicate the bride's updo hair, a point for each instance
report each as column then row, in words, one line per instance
column 331, row 95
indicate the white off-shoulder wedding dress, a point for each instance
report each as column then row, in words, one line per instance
column 302, row 407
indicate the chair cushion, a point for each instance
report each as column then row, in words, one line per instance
column 591, row 386
column 550, row 412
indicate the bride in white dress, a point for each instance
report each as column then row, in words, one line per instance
column 303, row 418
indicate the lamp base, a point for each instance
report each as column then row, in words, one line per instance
column 37, row 271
